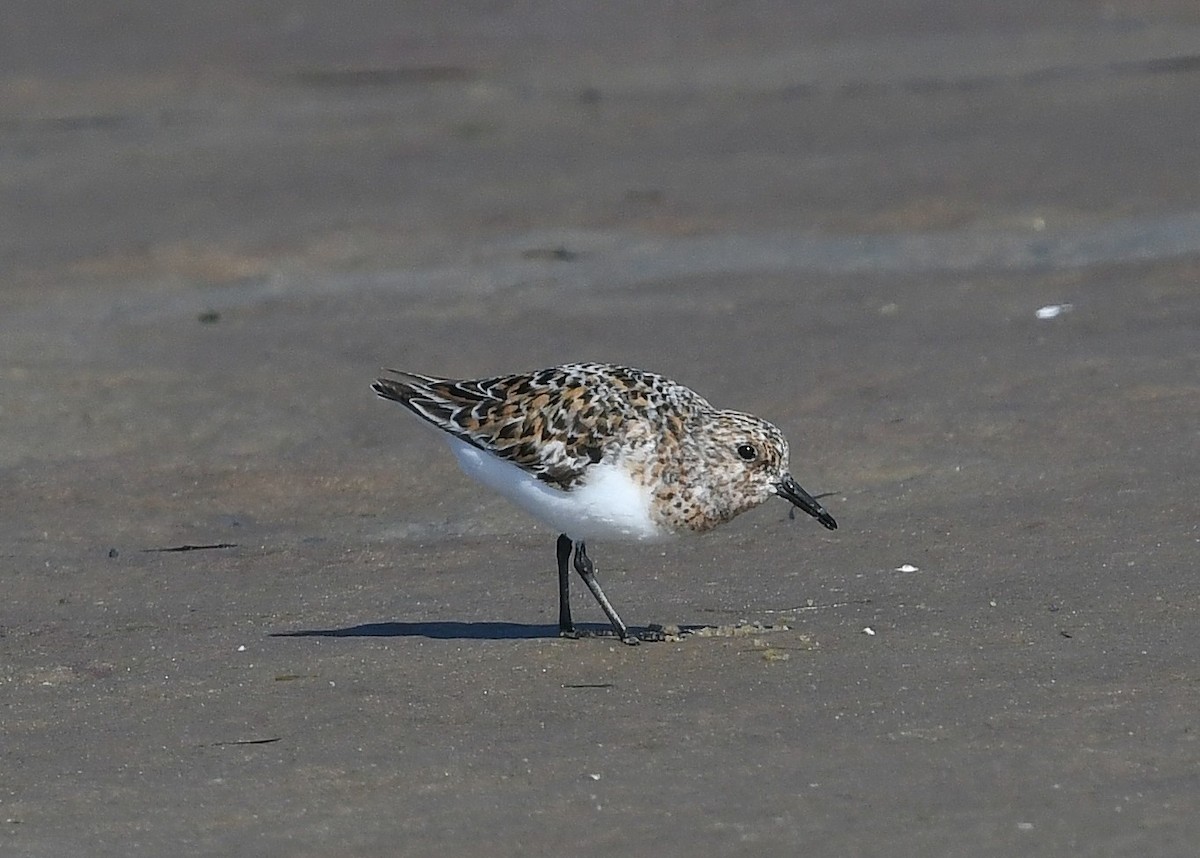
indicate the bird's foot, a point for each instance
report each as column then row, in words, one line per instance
column 629, row 637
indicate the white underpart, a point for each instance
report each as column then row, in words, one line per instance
column 608, row 505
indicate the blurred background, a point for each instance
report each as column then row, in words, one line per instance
column 951, row 248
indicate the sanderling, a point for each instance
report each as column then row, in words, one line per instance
column 605, row 452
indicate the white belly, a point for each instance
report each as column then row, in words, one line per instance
column 609, row 505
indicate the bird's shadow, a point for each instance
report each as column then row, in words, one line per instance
column 451, row 630
column 445, row 631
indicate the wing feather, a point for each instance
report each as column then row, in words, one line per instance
column 551, row 423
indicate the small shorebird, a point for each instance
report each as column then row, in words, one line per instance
column 599, row 451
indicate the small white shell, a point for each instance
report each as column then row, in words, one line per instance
column 1053, row 311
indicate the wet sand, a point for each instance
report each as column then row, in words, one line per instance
column 220, row 224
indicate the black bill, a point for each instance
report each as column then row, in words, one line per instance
column 790, row 490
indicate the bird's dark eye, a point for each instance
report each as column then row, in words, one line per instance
column 747, row 453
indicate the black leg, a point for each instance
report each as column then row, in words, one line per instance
column 566, row 628
column 587, row 571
